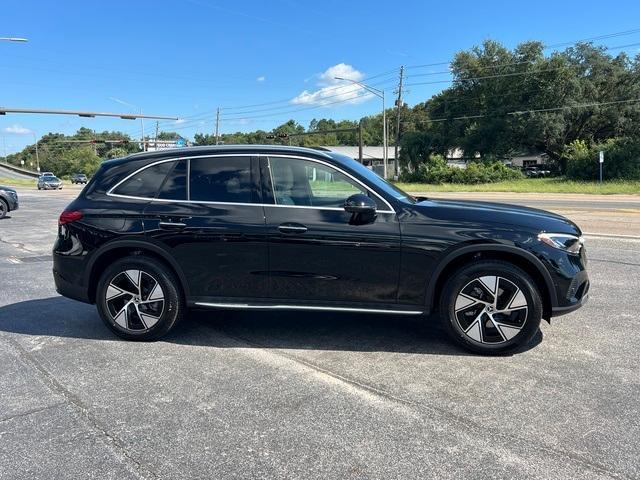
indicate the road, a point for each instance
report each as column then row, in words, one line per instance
column 8, row 173
column 289, row 395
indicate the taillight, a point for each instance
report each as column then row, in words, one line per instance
column 69, row 216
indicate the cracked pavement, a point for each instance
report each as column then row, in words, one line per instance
column 308, row 395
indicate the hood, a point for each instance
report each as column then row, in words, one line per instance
column 532, row 219
column 8, row 189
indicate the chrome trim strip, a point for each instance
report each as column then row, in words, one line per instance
column 247, row 306
column 173, row 159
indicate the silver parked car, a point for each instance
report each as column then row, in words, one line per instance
column 49, row 182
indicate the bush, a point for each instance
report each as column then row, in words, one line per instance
column 621, row 161
column 475, row 172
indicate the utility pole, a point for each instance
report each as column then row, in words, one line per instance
column 398, row 110
column 217, row 124
column 142, row 128
column 360, row 142
column 155, row 143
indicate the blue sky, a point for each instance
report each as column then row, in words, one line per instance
column 184, row 58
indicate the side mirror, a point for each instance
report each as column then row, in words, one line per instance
column 360, row 203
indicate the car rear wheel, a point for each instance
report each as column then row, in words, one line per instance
column 139, row 298
column 491, row 307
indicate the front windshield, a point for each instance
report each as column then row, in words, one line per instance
column 377, row 180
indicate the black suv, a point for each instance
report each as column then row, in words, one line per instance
column 267, row 227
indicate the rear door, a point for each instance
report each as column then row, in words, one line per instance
column 208, row 215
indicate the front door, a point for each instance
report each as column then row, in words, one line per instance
column 316, row 253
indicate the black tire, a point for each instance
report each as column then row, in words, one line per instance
column 173, row 306
column 488, row 328
column 4, row 208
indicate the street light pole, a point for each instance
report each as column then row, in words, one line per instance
column 37, row 156
column 380, row 94
column 142, row 127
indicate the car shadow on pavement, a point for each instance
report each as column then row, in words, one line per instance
column 60, row 317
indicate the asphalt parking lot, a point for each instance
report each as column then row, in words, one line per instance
column 300, row 395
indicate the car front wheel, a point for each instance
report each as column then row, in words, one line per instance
column 491, row 307
column 139, row 298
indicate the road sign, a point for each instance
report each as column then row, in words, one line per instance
column 601, row 159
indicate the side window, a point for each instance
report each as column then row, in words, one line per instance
column 147, row 182
column 175, row 185
column 307, row 183
column 221, row 179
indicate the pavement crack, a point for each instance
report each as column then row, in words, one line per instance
column 18, row 245
column 31, row 412
column 453, row 418
column 114, row 444
column 631, row 264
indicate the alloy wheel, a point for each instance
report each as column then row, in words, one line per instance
column 135, row 300
column 491, row 309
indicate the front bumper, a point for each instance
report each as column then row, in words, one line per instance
column 571, row 281
column 13, row 204
column 558, row 311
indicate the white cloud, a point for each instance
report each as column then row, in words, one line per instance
column 179, row 121
column 17, row 130
column 334, row 91
column 261, row 78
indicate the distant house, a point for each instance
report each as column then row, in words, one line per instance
column 372, row 156
column 523, row 159
column 369, row 153
column 529, row 160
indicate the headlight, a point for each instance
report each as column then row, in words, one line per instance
column 562, row 241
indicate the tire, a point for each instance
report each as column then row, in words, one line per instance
column 134, row 313
column 4, row 208
column 482, row 322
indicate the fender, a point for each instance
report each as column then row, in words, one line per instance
column 488, row 247
column 137, row 244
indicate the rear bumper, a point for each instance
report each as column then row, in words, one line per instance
column 67, row 275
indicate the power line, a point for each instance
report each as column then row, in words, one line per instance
column 525, row 112
column 511, row 74
column 351, row 90
column 556, row 45
column 327, row 89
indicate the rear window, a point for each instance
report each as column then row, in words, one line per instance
column 221, row 179
column 146, row 183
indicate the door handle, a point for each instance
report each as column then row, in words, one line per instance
column 172, row 225
column 292, row 228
